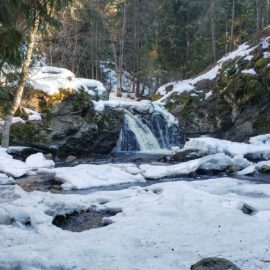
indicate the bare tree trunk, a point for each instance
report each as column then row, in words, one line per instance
column 232, row 26
column 259, row 15
column 268, row 12
column 213, row 29
column 23, row 78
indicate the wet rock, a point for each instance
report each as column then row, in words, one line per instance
column 214, row 264
column 186, row 155
column 72, row 127
column 70, row 159
column 247, row 209
column 265, row 169
column 233, row 169
column 48, row 156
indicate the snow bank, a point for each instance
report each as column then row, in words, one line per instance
column 212, row 146
column 217, row 162
column 5, row 180
column 38, row 160
column 165, row 226
column 51, row 79
column 10, row 166
column 261, row 139
column 87, row 176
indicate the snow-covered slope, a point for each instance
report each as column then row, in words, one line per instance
column 245, row 50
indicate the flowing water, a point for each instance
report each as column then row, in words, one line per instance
column 148, row 135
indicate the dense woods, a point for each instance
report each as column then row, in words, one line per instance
column 155, row 40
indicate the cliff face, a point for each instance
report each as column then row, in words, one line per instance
column 229, row 101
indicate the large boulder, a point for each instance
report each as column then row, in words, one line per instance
column 72, row 127
column 214, row 264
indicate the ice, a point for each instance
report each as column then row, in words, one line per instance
column 38, row 160
column 87, row 176
column 170, row 229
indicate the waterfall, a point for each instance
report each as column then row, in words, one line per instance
column 142, row 133
column 137, row 136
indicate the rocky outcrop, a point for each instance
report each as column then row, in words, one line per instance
column 214, row 264
column 234, row 105
column 72, row 127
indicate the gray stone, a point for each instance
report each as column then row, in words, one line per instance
column 265, row 169
column 214, row 264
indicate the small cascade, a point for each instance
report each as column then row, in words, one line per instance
column 147, row 133
column 137, row 136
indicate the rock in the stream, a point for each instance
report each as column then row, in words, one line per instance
column 265, row 169
column 186, row 155
column 233, row 169
column 70, row 159
column 214, row 264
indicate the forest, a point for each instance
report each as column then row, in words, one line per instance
column 155, row 41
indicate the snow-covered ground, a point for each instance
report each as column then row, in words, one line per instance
column 164, row 226
column 87, row 176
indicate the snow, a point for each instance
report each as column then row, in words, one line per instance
column 209, row 94
column 247, row 171
column 32, row 115
column 261, row 139
column 217, row 162
column 5, row 180
column 38, row 160
column 249, row 71
column 137, row 106
column 14, row 121
column 12, row 167
column 128, row 81
column 212, row 146
column 188, row 85
column 165, row 226
column 87, row 176
column 51, row 79
column 266, row 55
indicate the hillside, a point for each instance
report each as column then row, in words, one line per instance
column 231, row 100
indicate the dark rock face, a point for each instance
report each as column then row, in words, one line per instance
column 72, row 127
column 239, row 105
column 214, row 264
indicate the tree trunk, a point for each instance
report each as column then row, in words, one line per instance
column 268, row 12
column 259, row 15
column 232, row 26
column 213, row 29
column 23, row 78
